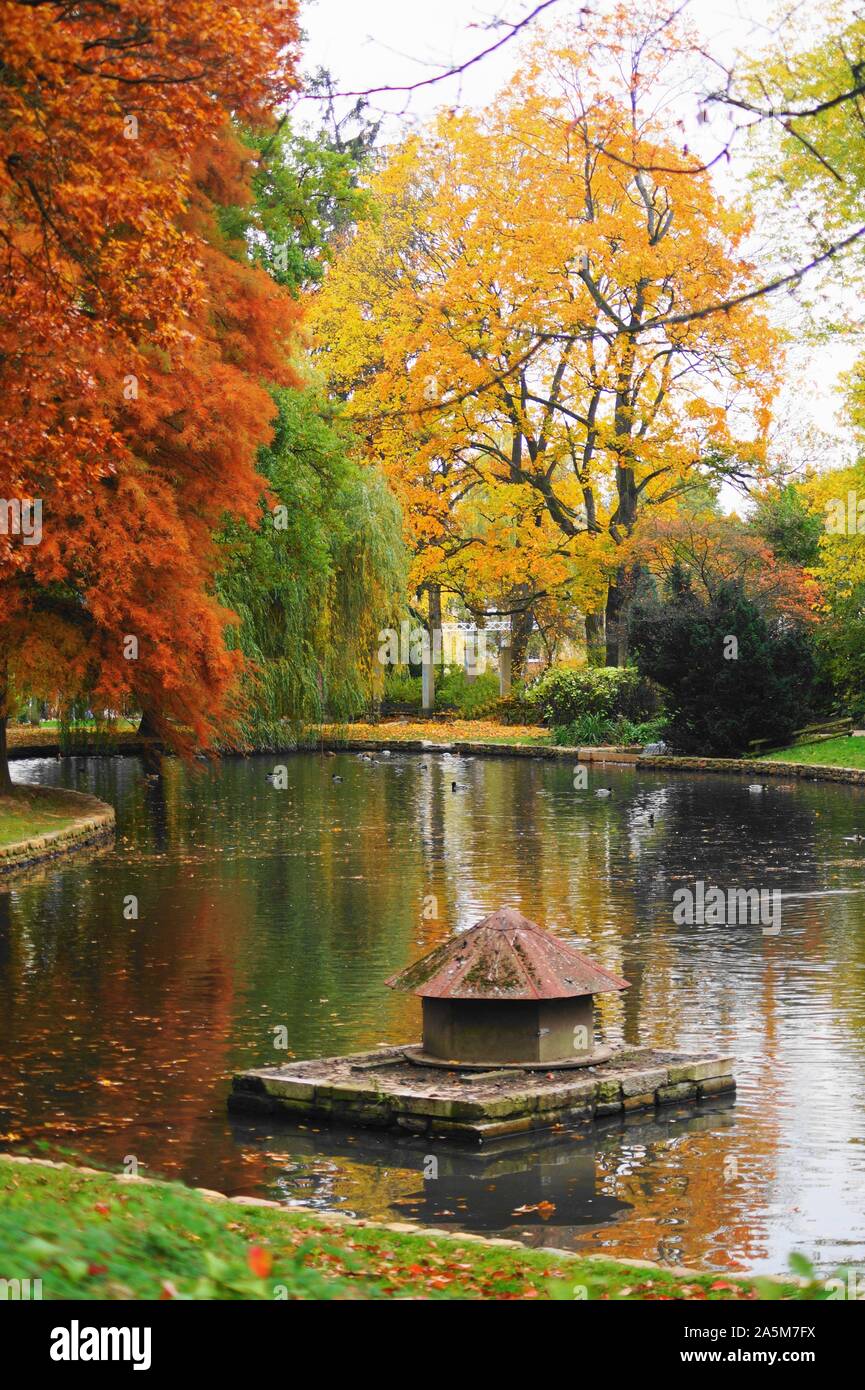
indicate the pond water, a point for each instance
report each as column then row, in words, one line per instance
column 260, row 910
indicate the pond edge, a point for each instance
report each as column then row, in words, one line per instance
column 630, row 757
column 410, row 1228
column 93, row 824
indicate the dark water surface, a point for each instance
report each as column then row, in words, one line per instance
column 261, row 909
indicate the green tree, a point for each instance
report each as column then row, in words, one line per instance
column 318, row 578
column 731, row 674
column 306, row 189
column 325, row 569
column 783, row 519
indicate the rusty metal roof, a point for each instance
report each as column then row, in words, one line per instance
column 505, row 956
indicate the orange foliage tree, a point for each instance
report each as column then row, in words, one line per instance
column 134, row 343
column 719, row 550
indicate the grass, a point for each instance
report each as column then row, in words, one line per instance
column 120, row 725
column 831, row 752
column 31, row 811
column 90, row 1236
column 46, row 736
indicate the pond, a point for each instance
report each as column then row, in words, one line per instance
column 269, row 916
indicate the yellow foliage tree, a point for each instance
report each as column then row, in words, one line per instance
column 507, row 331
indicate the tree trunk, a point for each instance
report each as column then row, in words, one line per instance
column 521, row 630
column 428, row 683
column 620, row 596
column 5, row 779
column 149, row 735
column 146, row 728
column 435, row 621
column 434, row 628
column 614, row 619
column 625, row 516
column 595, row 650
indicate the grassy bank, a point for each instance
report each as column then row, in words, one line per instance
column 90, row 1236
column 834, row 752
column 831, row 752
column 32, row 811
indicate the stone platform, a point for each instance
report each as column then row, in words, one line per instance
column 384, row 1090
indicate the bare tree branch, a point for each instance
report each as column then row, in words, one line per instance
column 513, row 30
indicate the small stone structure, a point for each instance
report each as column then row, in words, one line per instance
column 386, row 1090
column 507, row 993
column 503, row 1006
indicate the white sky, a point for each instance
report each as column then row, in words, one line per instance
column 371, row 43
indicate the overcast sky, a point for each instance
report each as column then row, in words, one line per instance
column 373, row 43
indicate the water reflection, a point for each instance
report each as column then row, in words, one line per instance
column 260, row 909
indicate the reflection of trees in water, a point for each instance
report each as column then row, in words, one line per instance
column 116, row 1029
column 155, row 807
column 259, row 908
column 5, row 937
column 689, row 1177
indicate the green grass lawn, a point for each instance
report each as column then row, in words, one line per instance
column 90, row 1236
column 833, row 752
column 32, row 811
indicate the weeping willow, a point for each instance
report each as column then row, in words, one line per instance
column 319, row 577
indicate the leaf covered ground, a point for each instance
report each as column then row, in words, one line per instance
column 92, row 1236
column 439, row 731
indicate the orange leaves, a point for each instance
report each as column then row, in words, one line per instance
column 716, row 550
column 260, row 1261
column 101, row 111
column 134, row 342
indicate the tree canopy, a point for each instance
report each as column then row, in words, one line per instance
column 500, row 329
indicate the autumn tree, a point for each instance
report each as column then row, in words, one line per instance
column 134, row 337
column 506, row 326
column 804, row 99
column 799, row 102
column 717, row 551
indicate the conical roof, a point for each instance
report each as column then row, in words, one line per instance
column 505, row 956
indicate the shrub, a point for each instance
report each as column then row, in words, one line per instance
column 469, row 699
column 516, row 708
column 563, row 695
column 717, row 703
column 401, row 688
column 453, row 692
column 596, row 729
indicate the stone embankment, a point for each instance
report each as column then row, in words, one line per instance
column 92, row 822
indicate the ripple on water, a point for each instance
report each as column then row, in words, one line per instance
column 268, row 917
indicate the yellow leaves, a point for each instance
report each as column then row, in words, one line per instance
column 479, row 328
